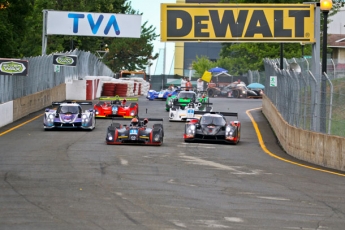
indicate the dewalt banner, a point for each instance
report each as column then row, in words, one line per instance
column 281, row 23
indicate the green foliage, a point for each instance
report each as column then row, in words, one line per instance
column 238, row 58
column 22, row 25
column 13, row 26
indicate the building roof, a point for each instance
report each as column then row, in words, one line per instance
column 336, row 40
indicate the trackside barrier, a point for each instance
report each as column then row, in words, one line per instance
column 314, row 147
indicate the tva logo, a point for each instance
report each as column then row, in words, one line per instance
column 112, row 23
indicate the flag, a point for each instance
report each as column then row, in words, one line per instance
column 207, row 76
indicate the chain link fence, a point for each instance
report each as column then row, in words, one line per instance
column 41, row 75
column 309, row 102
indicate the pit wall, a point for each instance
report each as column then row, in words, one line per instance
column 313, row 147
column 21, row 107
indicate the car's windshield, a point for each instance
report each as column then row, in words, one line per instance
column 184, row 95
column 69, row 109
column 214, row 120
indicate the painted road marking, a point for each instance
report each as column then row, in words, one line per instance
column 16, row 127
column 233, row 169
column 263, row 146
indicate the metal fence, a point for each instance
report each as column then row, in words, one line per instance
column 41, row 75
column 304, row 100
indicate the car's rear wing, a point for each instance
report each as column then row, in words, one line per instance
column 195, row 103
column 225, row 114
column 140, row 119
column 72, row 102
column 118, row 98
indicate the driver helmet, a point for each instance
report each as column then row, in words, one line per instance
column 134, row 121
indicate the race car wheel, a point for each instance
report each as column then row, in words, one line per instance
column 210, row 92
column 132, row 105
column 235, row 93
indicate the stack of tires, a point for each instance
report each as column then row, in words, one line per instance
column 139, row 89
column 121, row 90
column 108, row 89
column 135, row 89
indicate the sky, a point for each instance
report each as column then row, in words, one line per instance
column 151, row 14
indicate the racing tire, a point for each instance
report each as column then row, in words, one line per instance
column 210, row 92
column 107, row 93
column 132, row 105
column 235, row 93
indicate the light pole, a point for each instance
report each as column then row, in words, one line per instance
column 325, row 6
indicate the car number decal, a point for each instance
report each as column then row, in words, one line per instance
column 133, row 131
column 190, row 113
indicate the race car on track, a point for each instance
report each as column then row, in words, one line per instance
column 137, row 132
column 178, row 113
column 116, row 107
column 69, row 115
column 185, row 97
column 213, row 127
column 162, row 95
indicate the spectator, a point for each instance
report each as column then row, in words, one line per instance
column 189, row 85
column 183, row 83
column 200, row 85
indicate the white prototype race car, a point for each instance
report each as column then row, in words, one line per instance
column 176, row 113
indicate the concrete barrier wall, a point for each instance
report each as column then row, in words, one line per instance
column 35, row 102
column 6, row 113
column 313, row 147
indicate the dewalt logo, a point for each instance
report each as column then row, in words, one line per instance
column 238, row 22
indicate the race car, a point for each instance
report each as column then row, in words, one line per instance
column 69, row 115
column 177, row 113
column 163, row 94
column 137, row 132
column 213, row 127
column 184, row 98
column 255, row 93
column 116, row 107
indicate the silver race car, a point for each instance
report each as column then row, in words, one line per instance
column 69, row 115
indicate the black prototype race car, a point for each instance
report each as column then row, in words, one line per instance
column 213, row 127
column 136, row 132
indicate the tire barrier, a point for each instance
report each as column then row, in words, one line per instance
column 121, row 90
column 108, row 89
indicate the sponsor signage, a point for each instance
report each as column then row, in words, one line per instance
column 93, row 24
column 65, row 60
column 13, row 67
column 280, row 23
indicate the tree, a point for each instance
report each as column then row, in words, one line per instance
column 13, row 26
column 132, row 53
column 124, row 53
column 248, row 56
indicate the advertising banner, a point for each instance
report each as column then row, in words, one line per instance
column 65, row 60
column 13, row 67
column 279, row 23
column 93, row 24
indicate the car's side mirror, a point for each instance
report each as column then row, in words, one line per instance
column 47, row 109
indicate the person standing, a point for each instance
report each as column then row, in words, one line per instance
column 183, row 83
column 189, row 85
column 200, row 85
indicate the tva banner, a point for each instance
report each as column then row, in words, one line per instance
column 13, row 67
column 93, row 24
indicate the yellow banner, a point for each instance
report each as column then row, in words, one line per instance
column 280, row 23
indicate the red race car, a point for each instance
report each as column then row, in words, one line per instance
column 116, row 107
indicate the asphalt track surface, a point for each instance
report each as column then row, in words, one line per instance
column 66, row 180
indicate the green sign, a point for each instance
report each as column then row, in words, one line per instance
column 56, row 68
column 273, row 81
